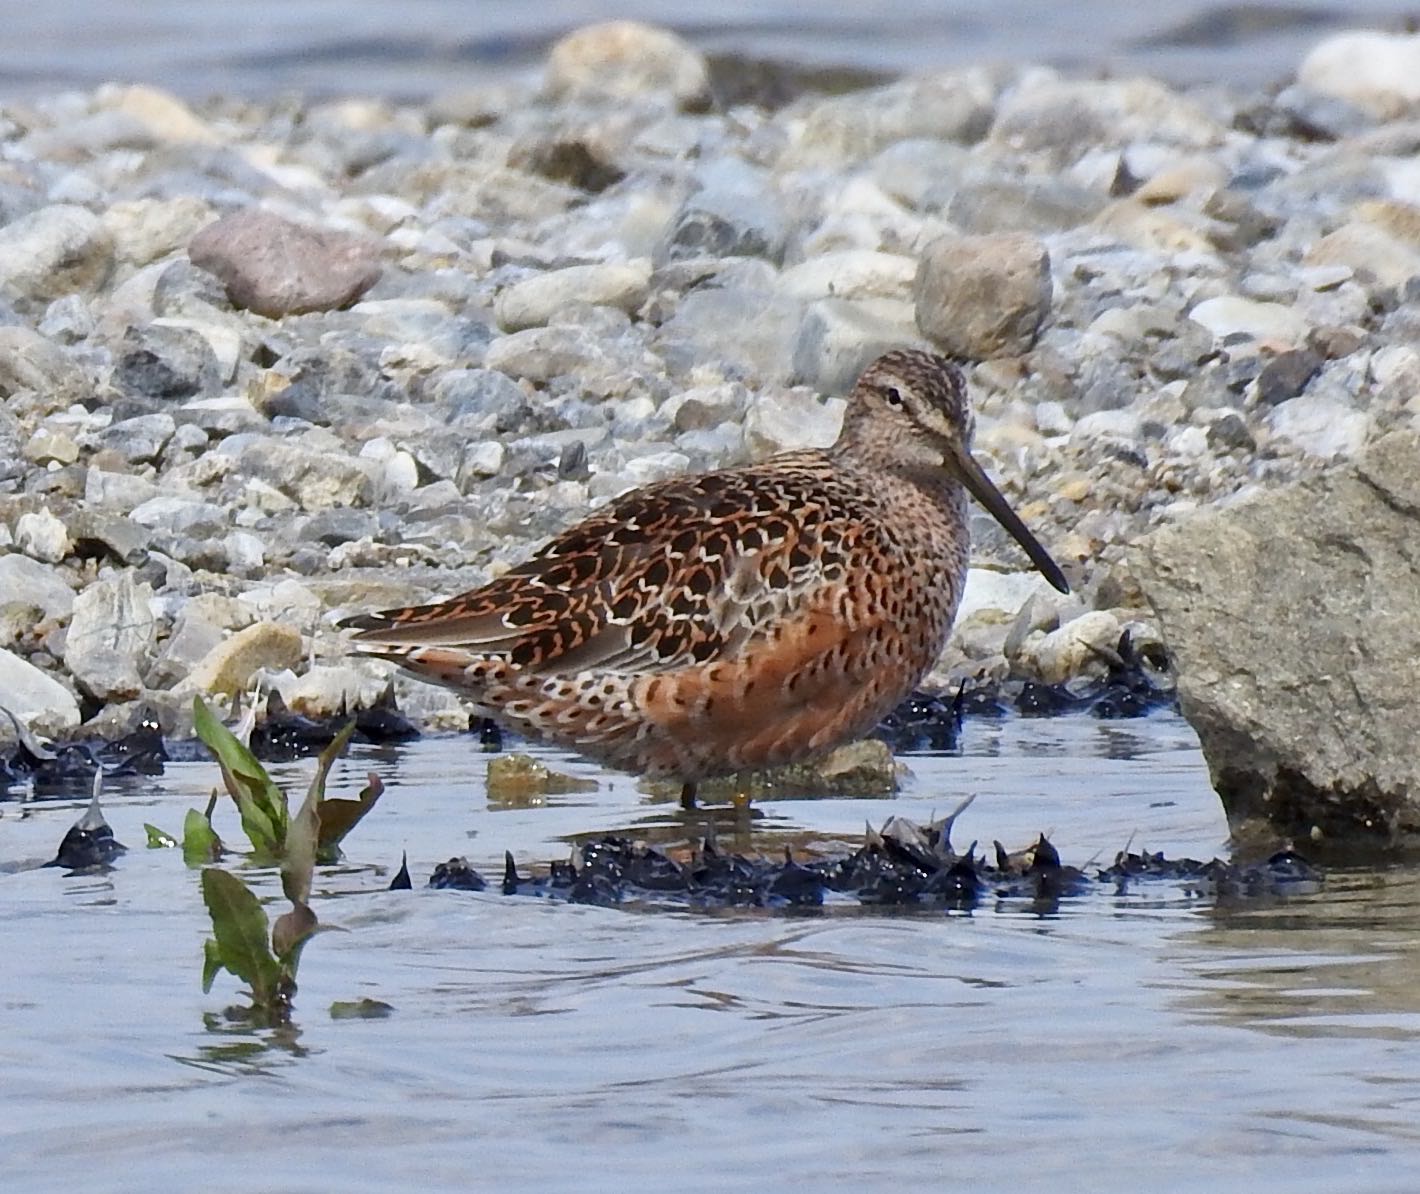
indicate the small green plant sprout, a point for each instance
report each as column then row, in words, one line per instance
column 262, row 954
column 200, row 843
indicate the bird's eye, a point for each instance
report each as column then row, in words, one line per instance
column 893, row 395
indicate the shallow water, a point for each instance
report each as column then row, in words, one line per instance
column 422, row 47
column 1152, row 1039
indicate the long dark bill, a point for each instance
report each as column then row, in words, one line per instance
column 989, row 496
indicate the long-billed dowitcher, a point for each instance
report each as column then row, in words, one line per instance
column 737, row 619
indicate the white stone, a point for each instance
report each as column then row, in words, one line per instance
column 1074, row 648
column 1119, row 424
column 26, row 581
column 534, row 301
column 245, row 552
column 656, row 466
column 1374, row 70
column 485, row 458
column 620, row 60
column 117, row 493
column 1229, row 315
column 1051, row 419
column 851, row 274
column 42, row 536
column 1321, row 426
column 35, row 698
column 111, row 637
column 1002, row 592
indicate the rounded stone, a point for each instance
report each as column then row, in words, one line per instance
column 276, row 267
column 979, row 297
column 58, row 250
column 42, row 536
column 1074, row 648
column 534, row 301
column 228, row 668
column 36, row 698
column 1376, row 71
column 626, row 59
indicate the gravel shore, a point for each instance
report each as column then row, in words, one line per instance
column 267, row 363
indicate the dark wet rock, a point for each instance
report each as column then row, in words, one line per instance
column 979, row 297
column 456, row 875
column 1292, row 618
column 490, row 734
column 283, row 734
column 1045, row 700
column 274, row 267
column 141, row 751
column 1230, row 432
column 89, row 844
column 1286, row 375
column 923, row 721
column 903, row 865
column 161, row 361
column 569, row 161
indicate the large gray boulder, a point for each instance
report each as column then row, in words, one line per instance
column 1294, row 622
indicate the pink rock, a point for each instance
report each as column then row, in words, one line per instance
column 275, row 267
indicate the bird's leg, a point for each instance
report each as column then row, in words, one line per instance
column 687, row 797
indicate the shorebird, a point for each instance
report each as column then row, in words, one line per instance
column 744, row 618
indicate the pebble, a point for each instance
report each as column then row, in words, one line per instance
column 1286, row 375
column 274, row 267
column 983, row 296
column 58, row 250
column 227, row 668
column 1230, row 315
column 626, row 60
column 1377, row 71
column 534, row 301
column 1321, row 426
column 28, row 582
column 1075, row 649
column 42, row 536
column 36, row 698
column 838, row 338
column 111, row 638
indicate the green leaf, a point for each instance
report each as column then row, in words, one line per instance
column 339, row 817
column 211, row 963
column 261, row 803
column 302, row 834
column 200, row 843
column 158, row 839
column 240, row 927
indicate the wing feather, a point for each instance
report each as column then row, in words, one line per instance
column 680, row 573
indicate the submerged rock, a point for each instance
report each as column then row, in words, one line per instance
column 1294, row 621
